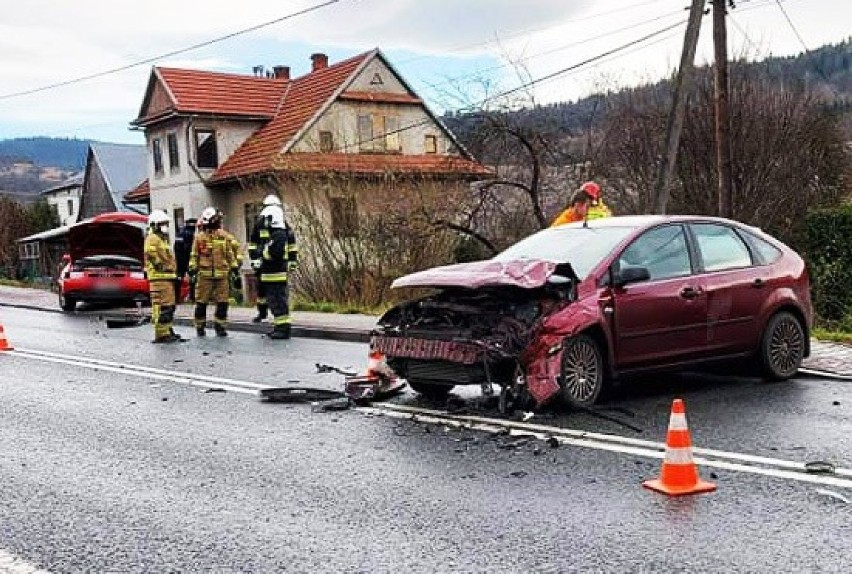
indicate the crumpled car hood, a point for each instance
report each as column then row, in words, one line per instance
column 528, row 274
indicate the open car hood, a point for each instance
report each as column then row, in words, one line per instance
column 89, row 238
column 527, row 274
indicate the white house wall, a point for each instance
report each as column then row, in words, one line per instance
column 183, row 187
column 60, row 199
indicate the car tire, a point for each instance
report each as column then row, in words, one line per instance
column 430, row 390
column 583, row 378
column 782, row 347
column 67, row 304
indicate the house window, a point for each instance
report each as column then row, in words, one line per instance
column 252, row 212
column 174, row 159
column 70, row 208
column 365, row 133
column 430, row 144
column 392, row 141
column 344, row 217
column 378, row 133
column 326, row 142
column 157, row 151
column 206, row 155
column 179, row 218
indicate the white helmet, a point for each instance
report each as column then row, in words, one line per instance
column 210, row 217
column 271, row 199
column 158, row 220
column 273, row 215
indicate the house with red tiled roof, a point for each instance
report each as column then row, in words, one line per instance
column 344, row 133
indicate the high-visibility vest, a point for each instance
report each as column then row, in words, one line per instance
column 160, row 261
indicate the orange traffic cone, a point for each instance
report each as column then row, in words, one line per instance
column 377, row 367
column 679, row 474
column 4, row 342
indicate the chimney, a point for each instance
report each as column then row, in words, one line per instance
column 318, row 62
column 281, row 72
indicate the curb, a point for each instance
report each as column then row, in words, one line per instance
column 825, row 374
column 297, row 330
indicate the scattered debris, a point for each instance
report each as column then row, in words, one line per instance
column 518, row 474
column 299, row 395
column 552, row 442
column 527, row 416
column 321, row 368
column 213, row 390
column 835, row 403
column 820, row 467
column 339, row 404
column 832, row 494
column 714, row 476
column 164, row 399
column 363, row 389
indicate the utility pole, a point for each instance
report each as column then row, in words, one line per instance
column 675, row 121
column 723, row 122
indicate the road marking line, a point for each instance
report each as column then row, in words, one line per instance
column 11, row 564
column 146, row 373
column 615, row 443
column 586, row 439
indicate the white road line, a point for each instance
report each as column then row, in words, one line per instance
column 130, row 370
column 625, row 445
column 10, row 564
column 609, row 442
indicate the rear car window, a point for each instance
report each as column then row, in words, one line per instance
column 766, row 252
column 720, row 247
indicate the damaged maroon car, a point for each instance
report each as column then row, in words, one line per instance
column 569, row 309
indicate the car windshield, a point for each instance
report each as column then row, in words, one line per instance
column 582, row 247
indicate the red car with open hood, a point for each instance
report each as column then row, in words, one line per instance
column 105, row 261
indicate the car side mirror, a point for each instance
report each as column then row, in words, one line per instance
column 631, row 275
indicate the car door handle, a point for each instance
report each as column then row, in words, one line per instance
column 758, row 283
column 690, row 292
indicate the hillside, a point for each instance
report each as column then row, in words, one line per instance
column 826, row 70
column 63, row 153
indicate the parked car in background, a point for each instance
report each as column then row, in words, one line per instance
column 105, row 262
column 571, row 308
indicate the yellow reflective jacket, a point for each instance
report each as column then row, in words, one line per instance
column 160, row 261
column 213, row 253
column 598, row 210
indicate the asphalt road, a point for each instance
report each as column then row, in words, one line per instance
column 109, row 468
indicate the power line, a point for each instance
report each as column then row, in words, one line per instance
column 170, row 54
column 525, row 85
column 790, row 22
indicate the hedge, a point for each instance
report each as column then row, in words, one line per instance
column 827, row 248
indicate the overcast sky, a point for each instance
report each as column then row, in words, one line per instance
column 452, row 52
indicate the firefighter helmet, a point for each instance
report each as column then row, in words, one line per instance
column 158, row 220
column 592, row 189
column 210, row 217
column 273, row 215
column 271, row 199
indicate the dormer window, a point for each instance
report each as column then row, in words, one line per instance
column 206, row 154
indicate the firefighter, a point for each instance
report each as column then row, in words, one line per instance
column 597, row 207
column 280, row 256
column 257, row 242
column 160, row 268
column 212, row 262
column 577, row 211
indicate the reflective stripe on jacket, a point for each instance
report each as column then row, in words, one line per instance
column 598, row 210
column 213, row 253
column 159, row 259
column 279, row 256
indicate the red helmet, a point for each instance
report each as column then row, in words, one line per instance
column 592, row 189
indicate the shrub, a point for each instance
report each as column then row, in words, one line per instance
column 827, row 247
